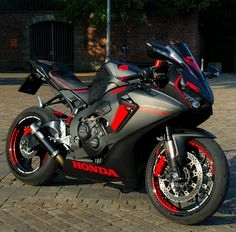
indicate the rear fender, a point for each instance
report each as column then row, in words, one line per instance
column 180, row 138
column 31, row 84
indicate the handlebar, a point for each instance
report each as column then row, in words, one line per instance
column 142, row 74
column 158, row 76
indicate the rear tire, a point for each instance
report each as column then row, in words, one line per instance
column 215, row 181
column 38, row 168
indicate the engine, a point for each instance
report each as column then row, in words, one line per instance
column 90, row 132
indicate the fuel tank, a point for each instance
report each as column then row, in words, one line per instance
column 115, row 71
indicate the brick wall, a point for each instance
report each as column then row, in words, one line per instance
column 90, row 42
column 136, row 36
column 15, row 38
column 11, row 27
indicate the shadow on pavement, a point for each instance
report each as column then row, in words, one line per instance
column 228, row 208
column 226, row 215
column 229, row 205
column 217, row 220
column 62, row 180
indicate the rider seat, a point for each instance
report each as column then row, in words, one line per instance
column 67, row 80
column 61, row 75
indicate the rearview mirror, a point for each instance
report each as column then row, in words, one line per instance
column 212, row 72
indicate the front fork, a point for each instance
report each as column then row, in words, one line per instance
column 171, row 151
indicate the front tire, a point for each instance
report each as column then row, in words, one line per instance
column 31, row 166
column 202, row 192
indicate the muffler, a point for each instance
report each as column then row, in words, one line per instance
column 46, row 143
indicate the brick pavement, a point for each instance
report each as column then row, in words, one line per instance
column 73, row 205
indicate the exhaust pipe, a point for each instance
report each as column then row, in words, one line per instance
column 46, row 143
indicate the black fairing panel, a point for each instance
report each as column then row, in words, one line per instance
column 122, row 157
column 80, row 173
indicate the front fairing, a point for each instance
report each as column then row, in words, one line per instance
column 200, row 87
column 192, row 75
column 207, row 94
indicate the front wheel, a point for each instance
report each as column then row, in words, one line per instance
column 206, row 178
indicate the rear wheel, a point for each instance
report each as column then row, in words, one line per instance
column 28, row 161
column 206, row 178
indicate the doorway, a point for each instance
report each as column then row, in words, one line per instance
column 52, row 41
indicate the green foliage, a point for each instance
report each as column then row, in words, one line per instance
column 183, row 6
column 123, row 10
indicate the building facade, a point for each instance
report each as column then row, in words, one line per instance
column 29, row 29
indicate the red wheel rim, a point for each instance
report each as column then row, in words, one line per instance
column 159, row 168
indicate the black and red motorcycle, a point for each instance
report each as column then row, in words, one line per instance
column 128, row 126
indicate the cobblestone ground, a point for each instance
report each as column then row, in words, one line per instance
column 73, row 205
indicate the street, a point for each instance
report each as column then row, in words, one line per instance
column 73, row 205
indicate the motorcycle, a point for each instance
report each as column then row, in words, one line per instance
column 129, row 126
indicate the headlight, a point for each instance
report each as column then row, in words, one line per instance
column 189, row 91
column 193, row 101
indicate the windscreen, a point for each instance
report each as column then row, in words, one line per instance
column 187, row 60
column 183, row 50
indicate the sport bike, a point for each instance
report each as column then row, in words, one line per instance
column 130, row 126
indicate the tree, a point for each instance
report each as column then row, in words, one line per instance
column 220, row 18
column 95, row 10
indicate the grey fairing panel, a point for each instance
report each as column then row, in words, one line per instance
column 154, row 108
column 112, row 66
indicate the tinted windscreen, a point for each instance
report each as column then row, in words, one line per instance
column 187, row 56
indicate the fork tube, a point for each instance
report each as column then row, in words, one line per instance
column 172, row 155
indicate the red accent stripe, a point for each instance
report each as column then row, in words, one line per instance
column 192, row 62
column 118, row 90
column 205, row 153
column 81, row 90
column 27, row 131
column 153, row 111
column 123, row 79
column 176, row 84
column 123, row 67
column 158, row 63
column 58, row 113
column 161, row 199
column 192, row 86
column 13, row 146
column 120, row 116
column 69, row 119
column 155, row 185
column 160, row 166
